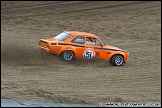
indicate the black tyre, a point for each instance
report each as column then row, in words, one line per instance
column 67, row 55
column 117, row 60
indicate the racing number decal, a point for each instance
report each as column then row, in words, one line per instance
column 88, row 53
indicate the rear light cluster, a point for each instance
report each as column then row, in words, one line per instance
column 39, row 42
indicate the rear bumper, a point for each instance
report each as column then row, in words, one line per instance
column 45, row 49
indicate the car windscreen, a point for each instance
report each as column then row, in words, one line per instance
column 62, row 36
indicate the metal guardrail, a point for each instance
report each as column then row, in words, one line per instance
column 21, row 103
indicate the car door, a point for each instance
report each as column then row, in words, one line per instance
column 79, row 43
column 89, row 49
column 98, row 50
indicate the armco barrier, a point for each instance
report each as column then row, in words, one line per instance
column 21, row 103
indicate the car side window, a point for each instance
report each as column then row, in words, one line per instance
column 97, row 43
column 89, row 41
column 92, row 41
column 79, row 40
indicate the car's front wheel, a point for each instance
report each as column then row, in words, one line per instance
column 117, row 60
column 67, row 55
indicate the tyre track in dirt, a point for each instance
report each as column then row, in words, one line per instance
column 38, row 5
column 75, row 11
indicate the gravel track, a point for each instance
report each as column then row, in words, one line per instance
column 29, row 74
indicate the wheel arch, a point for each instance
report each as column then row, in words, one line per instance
column 67, row 49
column 117, row 54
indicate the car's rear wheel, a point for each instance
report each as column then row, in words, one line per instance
column 67, row 55
column 117, row 60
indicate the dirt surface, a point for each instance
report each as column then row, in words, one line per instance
column 29, row 74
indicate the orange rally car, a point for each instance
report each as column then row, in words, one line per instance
column 81, row 45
